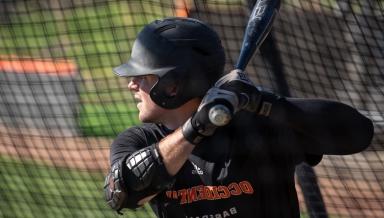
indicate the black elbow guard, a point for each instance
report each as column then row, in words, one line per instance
column 115, row 192
column 137, row 176
column 145, row 169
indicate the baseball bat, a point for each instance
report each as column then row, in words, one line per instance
column 259, row 25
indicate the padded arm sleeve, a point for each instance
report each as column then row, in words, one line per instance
column 134, row 177
column 145, row 168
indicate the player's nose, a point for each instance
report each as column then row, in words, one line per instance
column 133, row 84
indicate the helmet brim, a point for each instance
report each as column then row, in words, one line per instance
column 131, row 68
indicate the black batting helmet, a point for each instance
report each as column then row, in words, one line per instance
column 181, row 51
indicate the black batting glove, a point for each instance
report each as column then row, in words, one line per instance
column 238, row 82
column 231, row 93
column 201, row 124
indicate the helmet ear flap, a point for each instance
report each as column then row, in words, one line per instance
column 167, row 91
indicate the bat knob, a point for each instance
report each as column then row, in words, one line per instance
column 219, row 115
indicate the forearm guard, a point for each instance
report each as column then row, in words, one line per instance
column 137, row 176
column 145, row 168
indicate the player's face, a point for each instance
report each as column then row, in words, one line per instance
column 140, row 86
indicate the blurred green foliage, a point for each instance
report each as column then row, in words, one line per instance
column 97, row 36
column 31, row 189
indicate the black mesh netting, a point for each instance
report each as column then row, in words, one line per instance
column 61, row 105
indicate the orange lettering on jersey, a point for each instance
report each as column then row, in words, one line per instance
column 214, row 192
column 183, row 196
column 234, row 189
column 174, row 195
column 168, row 194
column 208, row 193
column 192, row 194
column 223, row 191
column 200, row 192
column 246, row 187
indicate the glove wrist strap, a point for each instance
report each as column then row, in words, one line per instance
column 191, row 134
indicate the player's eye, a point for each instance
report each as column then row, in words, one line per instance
column 150, row 78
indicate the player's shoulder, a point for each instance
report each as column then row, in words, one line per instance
column 143, row 131
column 141, row 127
column 133, row 139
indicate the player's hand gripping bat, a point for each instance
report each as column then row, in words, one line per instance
column 258, row 27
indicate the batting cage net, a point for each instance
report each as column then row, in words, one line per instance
column 61, row 105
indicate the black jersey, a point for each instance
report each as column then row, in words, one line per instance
column 242, row 171
column 246, row 169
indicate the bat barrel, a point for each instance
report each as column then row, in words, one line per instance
column 258, row 27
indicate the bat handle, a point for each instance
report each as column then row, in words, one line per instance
column 219, row 115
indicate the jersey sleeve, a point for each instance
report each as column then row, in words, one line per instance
column 126, row 143
column 136, row 138
column 323, row 126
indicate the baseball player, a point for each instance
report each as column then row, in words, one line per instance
column 185, row 164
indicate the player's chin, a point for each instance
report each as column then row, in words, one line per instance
column 142, row 116
column 148, row 112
